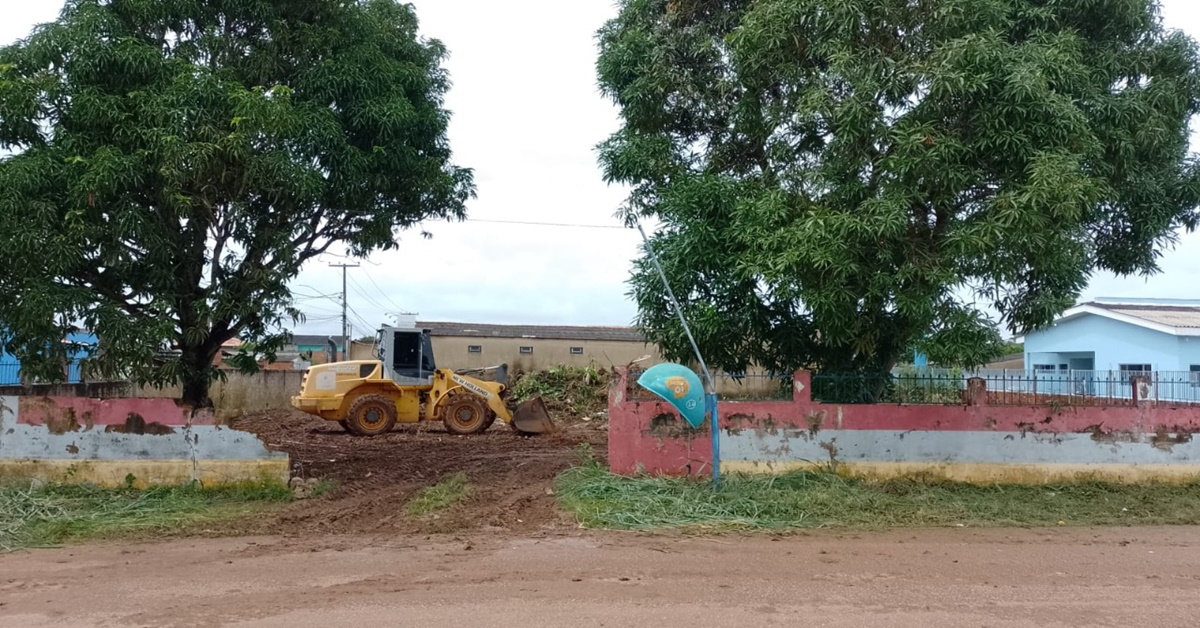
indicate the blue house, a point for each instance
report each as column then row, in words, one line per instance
column 1120, row 335
column 1104, row 343
column 10, row 366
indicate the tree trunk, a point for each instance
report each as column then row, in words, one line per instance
column 197, row 363
column 195, row 393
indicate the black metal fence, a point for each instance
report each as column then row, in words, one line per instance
column 1010, row 388
column 950, row 387
column 868, row 388
column 730, row 387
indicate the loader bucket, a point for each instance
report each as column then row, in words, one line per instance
column 531, row 417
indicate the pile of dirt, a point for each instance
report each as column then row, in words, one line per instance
column 510, row 475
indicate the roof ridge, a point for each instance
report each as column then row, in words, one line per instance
column 1137, row 307
column 545, row 332
column 522, row 324
column 1174, row 317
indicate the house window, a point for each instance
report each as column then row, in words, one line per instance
column 1130, row 370
column 1194, row 375
column 474, row 349
column 1043, row 367
column 526, row 350
column 576, row 350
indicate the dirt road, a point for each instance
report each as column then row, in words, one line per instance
column 958, row 578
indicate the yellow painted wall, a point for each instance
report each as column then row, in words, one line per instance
column 362, row 351
column 451, row 352
column 147, row 473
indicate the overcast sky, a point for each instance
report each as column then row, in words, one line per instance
column 527, row 115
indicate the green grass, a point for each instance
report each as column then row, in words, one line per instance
column 801, row 500
column 324, row 486
column 56, row 514
column 439, row 496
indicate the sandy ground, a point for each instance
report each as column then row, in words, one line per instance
column 952, row 578
column 506, row 556
column 510, row 476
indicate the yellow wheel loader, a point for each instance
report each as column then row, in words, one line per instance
column 368, row 397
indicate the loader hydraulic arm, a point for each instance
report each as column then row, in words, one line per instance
column 493, row 400
column 531, row 417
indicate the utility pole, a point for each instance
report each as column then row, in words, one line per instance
column 345, row 319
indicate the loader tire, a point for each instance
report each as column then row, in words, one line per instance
column 371, row 415
column 467, row 414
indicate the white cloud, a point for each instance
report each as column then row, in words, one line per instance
column 527, row 115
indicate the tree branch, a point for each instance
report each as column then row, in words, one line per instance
column 97, row 282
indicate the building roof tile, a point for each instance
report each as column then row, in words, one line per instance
column 1177, row 316
column 311, row 339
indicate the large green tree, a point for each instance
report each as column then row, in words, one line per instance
column 172, row 164
column 839, row 181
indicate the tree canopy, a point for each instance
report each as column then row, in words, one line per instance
column 172, row 164
column 840, row 181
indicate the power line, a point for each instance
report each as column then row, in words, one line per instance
column 319, row 306
column 343, row 256
column 319, row 320
column 319, row 312
column 345, row 324
column 348, row 315
column 362, row 292
column 384, row 294
column 300, row 296
column 359, row 318
column 547, row 224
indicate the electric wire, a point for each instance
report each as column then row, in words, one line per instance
column 362, row 293
column 534, row 223
column 384, row 294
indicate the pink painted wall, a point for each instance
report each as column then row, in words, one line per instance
column 82, row 413
column 649, row 437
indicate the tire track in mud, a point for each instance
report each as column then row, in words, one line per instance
column 374, row 477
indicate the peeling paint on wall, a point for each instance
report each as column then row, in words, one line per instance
column 44, row 437
column 970, row 442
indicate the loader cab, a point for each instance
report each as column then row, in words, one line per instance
column 407, row 355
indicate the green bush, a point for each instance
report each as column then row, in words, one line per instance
column 572, row 390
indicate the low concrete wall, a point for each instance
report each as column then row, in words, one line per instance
column 98, row 390
column 240, row 393
column 112, row 442
column 974, row 443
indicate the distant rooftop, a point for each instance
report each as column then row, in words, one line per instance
column 312, row 339
column 1145, row 301
column 1171, row 315
column 1175, row 316
column 544, row 332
